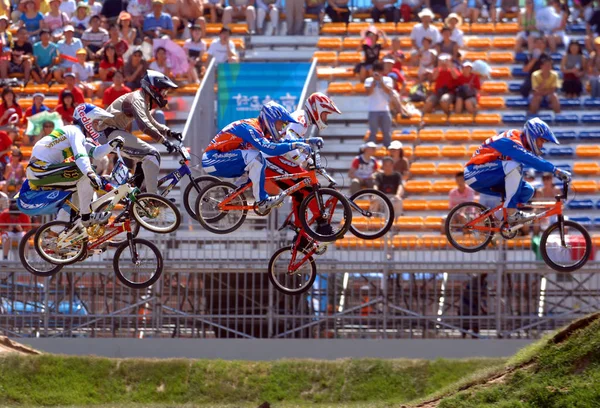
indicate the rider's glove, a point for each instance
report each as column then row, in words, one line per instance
column 303, row 146
column 170, row 147
column 117, row 142
column 176, row 135
column 95, row 180
column 562, row 174
column 316, row 141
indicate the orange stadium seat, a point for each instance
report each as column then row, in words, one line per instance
column 26, row 150
column 405, row 42
column 491, row 102
column 350, row 242
column 411, row 136
column 434, row 241
column 432, row 222
column 427, row 151
column 417, row 186
column 414, row 205
column 360, row 88
column 443, row 186
column 584, row 186
column 329, row 43
column 213, row 28
column 239, row 28
column 586, row 168
column 502, row 57
column 501, row 72
column 340, row 88
column 481, row 135
column 476, row 42
column 364, row 223
column 449, row 169
column 422, row 169
column 507, row 28
column 388, row 28
column 504, row 42
column 435, row 119
column 407, row 223
column 411, row 72
column 596, row 241
column 519, row 243
column 488, row 119
column 408, row 151
column 413, row 120
column 334, row 28
column 471, row 149
column 588, row 151
column 483, row 28
column 406, row 241
column 431, row 135
column 461, row 119
column 457, row 135
column 405, row 28
column 381, row 152
column 326, row 57
column 352, row 42
column 475, row 55
column 350, row 57
column 438, row 204
column 495, row 87
column 357, row 28
column 455, row 152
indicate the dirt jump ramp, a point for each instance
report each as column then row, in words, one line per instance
column 9, row 346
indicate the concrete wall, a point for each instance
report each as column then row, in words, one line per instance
column 258, row 350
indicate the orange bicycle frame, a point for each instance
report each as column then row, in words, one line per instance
column 552, row 208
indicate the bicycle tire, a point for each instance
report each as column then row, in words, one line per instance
column 135, row 205
column 27, row 265
column 347, row 212
column 455, row 243
column 190, row 207
column 135, row 229
column 155, row 276
column 283, row 289
column 388, row 224
column 560, row 268
column 208, row 223
column 37, row 238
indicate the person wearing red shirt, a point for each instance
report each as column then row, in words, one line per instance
column 110, row 63
column 467, row 92
column 121, row 46
column 5, row 144
column 75, row 92
column 37, row 107
column 66, row 109
column 13, row 225
column 116, row 90
column 445, row 77
column 9, row 107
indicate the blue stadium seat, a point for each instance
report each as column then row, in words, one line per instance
column 560, row 151
column 591, row 103
column 585, row 221
column 597, row 222
column 556, row 57
column 518, row 72
column 591, row 118
column 570, row 103
column 565, row 135
column 576, row 28
column 520, row 57
column 514, row 118
column 546, row 117
column 566, row 118
column 514, row 87
column 589, row 135
column 516, row 102
column 581, row 204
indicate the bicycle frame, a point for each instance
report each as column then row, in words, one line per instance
column 295, row 265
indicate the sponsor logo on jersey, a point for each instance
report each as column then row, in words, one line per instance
column 87, row 122
column 52, row 195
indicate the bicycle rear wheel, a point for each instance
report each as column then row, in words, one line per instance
column 140, row 266
column 32, row 261
column 468, row 239
column 211, row 217
column 292, row 283
column 52, row 244
column 372, row 214
column 568, row 255
column 190, row 195
column 155, row 213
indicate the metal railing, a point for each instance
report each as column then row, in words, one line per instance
column 217, row 286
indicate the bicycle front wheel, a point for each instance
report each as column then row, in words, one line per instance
column 32, row 261
column 473, row 238
column 211, row 217
column 566, row 250
column 372, row 214
column 292, row 282
column 138, row 265
column 193, row 189
column 155, row 213
column 325, row 215
column 53, row 244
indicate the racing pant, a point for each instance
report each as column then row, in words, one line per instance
column 64, row 176
column 493, row 177
column 137, row 150
column 236, row 163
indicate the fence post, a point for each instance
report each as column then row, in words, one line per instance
column 384, row 292
column 500, row 265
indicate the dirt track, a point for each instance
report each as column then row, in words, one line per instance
column 9, row 346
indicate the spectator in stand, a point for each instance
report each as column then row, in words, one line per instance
column 37, row 106
column 126, row 31
column 482, row 8
column 115, row 39
column 396, row 54
column 425, row 58
column 445, row 77
column 47, row 128
column 467, row 92
column 66, row 108
column 21, row 57
column 444, row 7
column 158, row 23
column 508, row 9
column 533, row 63
column 135, row 69
column 239, row 10
column 14, row 173
column 447, row 46
column 84, row 73
column 214, row 10
column 6, row 37
column 528, row 30
column 594, row 70
column 95, row 8
column 592, row 29
column 379, row 89
column 424, row 30
column 454, row 21
column 116, row 90
column 294, row 16
column 9, row 107
column 544, row 83
column 408, row 9
column 272, row 9
column 551, row 22
column 67, row 7
column 13, row 225
column 573, row 67
column 94, row 37
column 70, row 87
column 112, row 8
column 389, row 181
column 81, row 19
column 32, row 20
column 384, row 8
column 55, row 19
column 371, row 49
column 67, row 47
column 222, row 49
column 46, row 58
column 338, row 11
column 396, row 75
column 160, row 62
column 195, row 47
column 401, row 164
column 461, row 193
column 4, row 202
column 187, row 12
column 6, row 143
column 363, row 168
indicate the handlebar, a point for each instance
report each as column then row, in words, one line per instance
column 565, row 191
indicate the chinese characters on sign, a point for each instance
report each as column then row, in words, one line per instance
column 245, row 103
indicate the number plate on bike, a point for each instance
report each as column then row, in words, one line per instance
column 120, row 173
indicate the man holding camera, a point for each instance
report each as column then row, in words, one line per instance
column 380, row 90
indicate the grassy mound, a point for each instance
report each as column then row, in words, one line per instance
column 61, row 380
column 560, row 371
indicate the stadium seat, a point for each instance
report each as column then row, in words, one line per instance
column 461, row 119
column 501, row 72
column 566, row 118
column 471, row 149
column 340, row 88
column 239, row 28
column 483, row 28
column 588, row 151
column 364, row 223
column 501, row 57
column 431, row 135
column 352, row 42
column 435, row 119
column 406, row 241
column 580, row 204
column 449, row 169
column 584, row 186
column 444, row 186
column 591, row 119
column 589, row 135
column 414, row 205
column 388, row 28
column 560, row 151
column 586, row 168
column 570, row 102
column 565, row 135
column 381, row 152
column 404, row 135
column 407, row 223
column 585, row 221
column 519, row 243
column 330, row 73
column 494, row 87
column 413, row 120
column 417, row 186
column 213, row 28
column 592, row 103
column 514, row 87
column 457, row 135
column 405, row 28
column 411, row 72
column 427, row 151
column 422, row 169
column 351, row 242
column 491, row 102
column 359, row 88
column 434, row 242
column 432, row 222
column 478, row 42
column 26, row 151
column 350, row 57
column 481, row 135
column 504, row 42
column 475, row 55
column 438, row 205
column 517, row 103
column 334, row 28
column 357, row 28
column 329, row 43
column 325, row 57
column 488, row 119
column 454, row 152
column 510, row 118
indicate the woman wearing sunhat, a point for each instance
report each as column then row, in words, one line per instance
column 454, row 21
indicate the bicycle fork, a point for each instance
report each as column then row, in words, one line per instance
column 135, row 257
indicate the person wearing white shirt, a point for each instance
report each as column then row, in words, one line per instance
column 380, row 89
column 454, row 21
column 424, row 29
column 270, row 7
column 222, row 49
column 68, row 7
